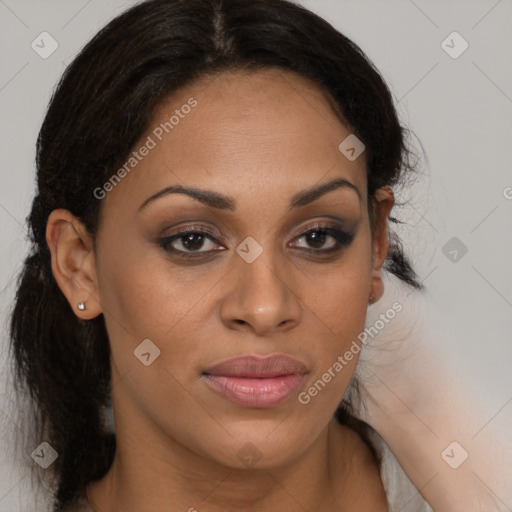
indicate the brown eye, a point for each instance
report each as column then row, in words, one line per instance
column 317, row 238
column 324, row 239
column 190, row 241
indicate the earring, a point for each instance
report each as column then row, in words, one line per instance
column 371, row 298
column 81, row 306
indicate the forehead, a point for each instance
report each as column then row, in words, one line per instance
column 271, row 131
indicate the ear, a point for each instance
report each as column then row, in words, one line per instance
column 73, row 263
column 384, row 199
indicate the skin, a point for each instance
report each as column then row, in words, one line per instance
column 427, row 404
column 259, row 138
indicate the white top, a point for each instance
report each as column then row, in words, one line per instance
column 401, row 494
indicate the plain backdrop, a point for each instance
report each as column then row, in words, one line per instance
column 459, row 213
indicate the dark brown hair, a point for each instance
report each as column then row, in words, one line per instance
column 101, row 107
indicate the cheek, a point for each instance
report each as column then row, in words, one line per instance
column 144, row 297
column 338, row 302
column 338, row 293
column 138, row 289
column 337, row 351
column 144, row 301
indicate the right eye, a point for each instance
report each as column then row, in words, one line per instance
column 188, row 243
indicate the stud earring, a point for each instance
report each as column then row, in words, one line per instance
column 371, row 299
column 81, row 306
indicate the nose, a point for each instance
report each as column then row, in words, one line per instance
column 260, row 297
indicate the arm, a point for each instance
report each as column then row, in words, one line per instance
column 421, row 404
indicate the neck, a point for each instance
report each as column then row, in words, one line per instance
column 144, row 476
column 154, row 469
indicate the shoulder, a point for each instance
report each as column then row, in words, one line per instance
column 376, row 473
column 401, row 493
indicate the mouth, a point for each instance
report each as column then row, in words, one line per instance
column 255, row 381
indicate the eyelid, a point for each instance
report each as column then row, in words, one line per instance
column 342, row 237
column 322, row 223
column 337, row 223
column 195, row 228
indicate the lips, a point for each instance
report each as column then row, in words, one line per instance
column 256, row 382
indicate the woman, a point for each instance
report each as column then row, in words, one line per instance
column 211, row 222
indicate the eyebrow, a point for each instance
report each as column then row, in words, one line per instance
column 223, row 202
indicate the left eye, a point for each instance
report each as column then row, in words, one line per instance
column 319, row 235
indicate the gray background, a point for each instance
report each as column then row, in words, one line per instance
column 460, row 109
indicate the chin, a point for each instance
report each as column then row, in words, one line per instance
column 257, row 446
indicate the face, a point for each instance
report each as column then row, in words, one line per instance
column 253, row 288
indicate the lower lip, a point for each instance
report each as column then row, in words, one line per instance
column 256, row 393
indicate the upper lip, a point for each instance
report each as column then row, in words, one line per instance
column 258, row 367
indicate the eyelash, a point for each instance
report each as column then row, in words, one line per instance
column 342, row 239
